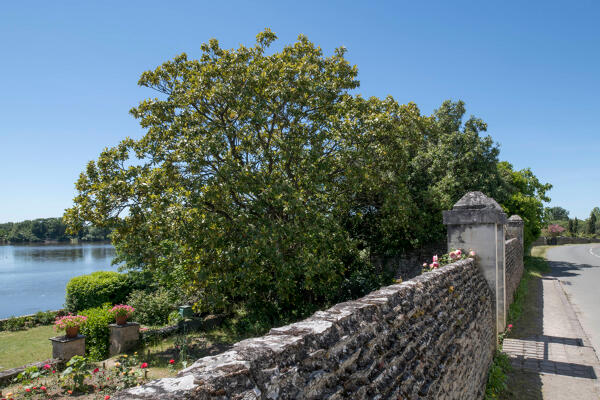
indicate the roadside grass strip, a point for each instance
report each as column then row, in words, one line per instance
column 534, row 268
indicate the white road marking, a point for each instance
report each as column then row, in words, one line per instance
column 594, row 254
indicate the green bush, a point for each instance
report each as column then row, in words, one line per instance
column 153, row 307
column 96, row 331
column 97, row 288
column 174, row 318
column 14, row 324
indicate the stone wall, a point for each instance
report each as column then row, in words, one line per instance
column 514, row 267
column 542, row 241
column 431, row 337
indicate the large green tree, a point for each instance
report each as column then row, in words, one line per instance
column 233, row 190
column 263, row 180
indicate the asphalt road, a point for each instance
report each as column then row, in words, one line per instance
column 578, row 267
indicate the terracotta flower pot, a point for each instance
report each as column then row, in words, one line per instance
column 121, row 319
column 72, row 331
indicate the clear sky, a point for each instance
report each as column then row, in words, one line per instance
column 530, row 69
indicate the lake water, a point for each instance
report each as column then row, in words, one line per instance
column 33, row 277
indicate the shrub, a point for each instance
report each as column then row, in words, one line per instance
column 15, row 323
column 174, row 318
column 96, row 331
column 152, row 308
column 97, row 288
column 45, row 318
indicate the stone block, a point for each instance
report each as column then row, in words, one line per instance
column 123, row 337
column 63, row 348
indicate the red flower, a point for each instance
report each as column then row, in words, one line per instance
column 95, row 370
column 144, row 365
column 53, row 372
column 28, row 390
column 47, row 366
column 509, row 326
column 106, row 397
column 171, row 361
column 43, row 388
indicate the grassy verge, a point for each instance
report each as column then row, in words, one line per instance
column 24, row 347
column 523, row 314
column 534, row 267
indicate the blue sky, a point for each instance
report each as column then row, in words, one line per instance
column 529, row 69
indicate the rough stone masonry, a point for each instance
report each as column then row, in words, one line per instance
column 432, row 337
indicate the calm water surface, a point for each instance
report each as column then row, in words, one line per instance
column 33, row 277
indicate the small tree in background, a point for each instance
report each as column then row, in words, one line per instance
column 576, row 226
column 554, row 230
column 571, row 227
column 591, row 228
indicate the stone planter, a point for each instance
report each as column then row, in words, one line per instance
column 123, row 337
column 63, row 347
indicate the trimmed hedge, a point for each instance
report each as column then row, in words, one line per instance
column 97, row 288
column 96, row 331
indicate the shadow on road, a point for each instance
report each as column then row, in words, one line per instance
column 564, row 269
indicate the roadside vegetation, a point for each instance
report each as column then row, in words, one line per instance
column 522, row 321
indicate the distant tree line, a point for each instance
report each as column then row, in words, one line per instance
column 48, row 230
column 573, row 226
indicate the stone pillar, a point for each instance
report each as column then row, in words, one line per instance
column 64, row 348
column 123, row 337
column 514, row 229
column 476, row 222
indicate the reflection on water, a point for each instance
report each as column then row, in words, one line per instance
column 33, row 277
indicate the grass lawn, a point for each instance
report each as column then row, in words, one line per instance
column 24, row 347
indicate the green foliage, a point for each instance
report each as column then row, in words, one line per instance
column 591, row 224
column 555, row 214
column 174, row 318
column 153, row 307
column 14, row 324
column 74, row 375
column 30, row 374
column 497, row 376
column 47, row 229
column 523, row 194
column 263, row 182
column 96, row 331
column 97, row 288
column 39, row 318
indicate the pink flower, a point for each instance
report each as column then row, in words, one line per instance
column 452, row 255
column 43, row 388
column 434, row 264
column 28, row 390
column 435, row 258
column 47, row 366
column 173, row 361
column 458, row 253
column 472, row 253
column 106, row 397
column 424, row 265
column 144, row 365
column 509, row 327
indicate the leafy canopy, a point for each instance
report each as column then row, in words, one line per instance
column 263, row 181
